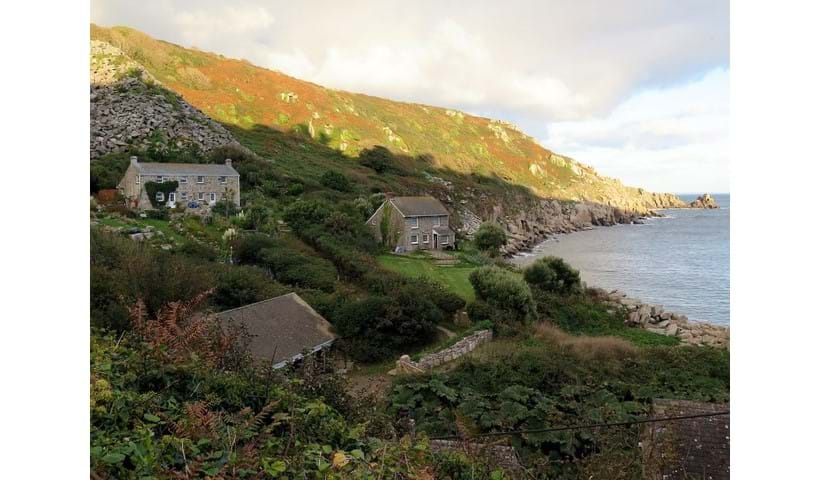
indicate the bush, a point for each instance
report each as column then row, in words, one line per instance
column 379, row 327
column 336, row 181
column 225, row 208
column 294, row 268
column 242, row 285
column 305, row 213
column 553, row 274
column 504, row 290
column 377, row 158
column 248, row 249
column 489, row 238
column 106, row 172
column 198, row 250
column 158, row 214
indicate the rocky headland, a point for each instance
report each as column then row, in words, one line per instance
column 704, row 201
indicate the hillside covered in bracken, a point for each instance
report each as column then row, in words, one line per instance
column 257, row 105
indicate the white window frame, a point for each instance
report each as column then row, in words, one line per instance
column 414, row 242
column 200, row 196
column 160, row 197
column 183, row 179
column 159, row 178
column 437, row 222
column 414, row 222
column 138, row 179
column 200, row 179
column 222, row 180
column 445, row 239
column 425, row 238
column 183, row 196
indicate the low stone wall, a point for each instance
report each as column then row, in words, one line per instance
column 502, row 456
column 458, row 349
column 655, row 319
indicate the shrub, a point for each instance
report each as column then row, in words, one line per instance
column 198, row 250
column 248, row 249
column 107, row 171
column 225, row 208
column 336, row 181
column 489, row 238
column 160, row 213
column 304, row 213
column 152, row 188
column 377, row 158
column 294, row 268
column 504, row 290
column 243, row 285
column 553, row 274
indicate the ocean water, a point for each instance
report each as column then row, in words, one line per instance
column 680, row 262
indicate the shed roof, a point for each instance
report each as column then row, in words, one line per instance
column 192, row 169
column 419, row 206
column 281, row 328
column 683, row 448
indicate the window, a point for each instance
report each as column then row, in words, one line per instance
column 183, row 195
column 159, row 179
column 414, row 239
column 425, row 238
column 437, row 222
column 138, row 179
column 223, row 180
column 414, row 222
column 213, row 197
column 183, row 179
column 200, row 179
column 160, row 197
column 200, row 196
column 445, row 239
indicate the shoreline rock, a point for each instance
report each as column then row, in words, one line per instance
column 704, row 201
column 655, row 319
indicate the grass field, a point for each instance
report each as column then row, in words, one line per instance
column 455, row 278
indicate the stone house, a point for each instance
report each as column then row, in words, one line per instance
column 281, row 329
column 199, row 185
column 413, row 223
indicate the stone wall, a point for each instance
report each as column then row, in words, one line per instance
column 502, row 456
column 655, row 319
column 458, row 349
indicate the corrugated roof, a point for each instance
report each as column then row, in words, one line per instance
column 280, row 328
column 191, row 169
column 419, row 206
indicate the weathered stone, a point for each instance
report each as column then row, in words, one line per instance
column 672, row 330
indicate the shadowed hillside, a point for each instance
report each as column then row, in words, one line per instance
column 245, row 97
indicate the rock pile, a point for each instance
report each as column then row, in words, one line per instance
column 655, row 319
column 128, row 106
column 704, row 201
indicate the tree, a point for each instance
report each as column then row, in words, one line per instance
column 490, row 237
column 504, row 290
column 377, row 158
column 553, row 274
column 336, row 181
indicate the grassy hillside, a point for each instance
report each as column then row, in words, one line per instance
column 258, row 104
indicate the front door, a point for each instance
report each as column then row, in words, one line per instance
column 172, row 198
column 435, row 241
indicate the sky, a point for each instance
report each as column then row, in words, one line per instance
column 638, row 89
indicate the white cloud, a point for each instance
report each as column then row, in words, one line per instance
column 669, row 139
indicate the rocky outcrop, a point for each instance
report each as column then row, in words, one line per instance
column 655, row 319
column 704, row 201
column 131, row 109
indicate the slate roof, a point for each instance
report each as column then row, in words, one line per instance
column 419, row 206
column 281, row 328
column 442, row 230
column 690, row 448
column 186, row 169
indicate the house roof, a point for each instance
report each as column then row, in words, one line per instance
column 696, row 445
column 281, row 328
column 419, row 206
column 192, row 169
column 442, row 230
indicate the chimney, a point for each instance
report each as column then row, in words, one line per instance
column 134, row 160
column 228, row 162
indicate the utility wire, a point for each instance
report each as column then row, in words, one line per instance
column 579, row 427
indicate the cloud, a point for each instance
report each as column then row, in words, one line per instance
column 668, row 139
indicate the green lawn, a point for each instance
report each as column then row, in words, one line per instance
column 455, row 278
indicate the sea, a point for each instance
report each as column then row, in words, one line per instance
column 680, row 260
